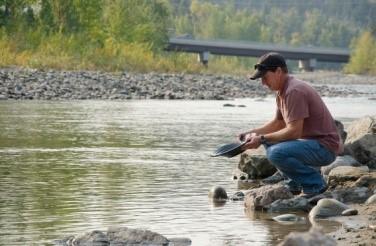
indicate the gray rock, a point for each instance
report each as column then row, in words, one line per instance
column 218, row 194
column 351, row 194
column 326, row 208
column 128, row 236
column 341, row 130
column 350, row 212
column 361, row 140
column 256, row 166
column 346, row 160
column 237, row 174
column 93, row 238
column 260, row 198
column 371, row 200
column 313, row 237
column 287, row 205
column 345, row 173
column 179, row 241
column 288, row 218
column 238, row 196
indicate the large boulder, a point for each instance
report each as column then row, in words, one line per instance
column 261, row 198
column 313, row 237
column 255, row 164
column 361, row 140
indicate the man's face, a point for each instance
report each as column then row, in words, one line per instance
column 271, row 79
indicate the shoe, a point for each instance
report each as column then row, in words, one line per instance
column 308, row 195
column 275, row 178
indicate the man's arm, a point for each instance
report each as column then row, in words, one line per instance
column 293, row 130
column 271, row 126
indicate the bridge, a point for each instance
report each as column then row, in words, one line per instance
column 307, row 56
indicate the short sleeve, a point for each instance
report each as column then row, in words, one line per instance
column 297, row 107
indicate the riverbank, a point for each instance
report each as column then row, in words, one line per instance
column 27, row 84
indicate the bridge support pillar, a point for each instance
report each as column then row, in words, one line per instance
column 203, row 57
column 307, row 65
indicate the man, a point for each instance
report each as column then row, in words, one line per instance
column 302, row 137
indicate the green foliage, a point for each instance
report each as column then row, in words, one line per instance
column 131, row 34
column 363, row 58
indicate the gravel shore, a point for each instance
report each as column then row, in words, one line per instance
column 23, row 83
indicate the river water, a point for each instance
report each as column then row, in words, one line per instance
column 68, row 167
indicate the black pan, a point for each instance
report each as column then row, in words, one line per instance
column 229, row 150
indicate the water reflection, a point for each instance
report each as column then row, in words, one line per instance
column 71, row 167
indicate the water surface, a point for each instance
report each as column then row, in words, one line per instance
column 75, row 166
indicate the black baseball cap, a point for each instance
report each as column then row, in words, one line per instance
column 268, row 62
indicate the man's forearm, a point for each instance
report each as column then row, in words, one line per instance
column 269, row 127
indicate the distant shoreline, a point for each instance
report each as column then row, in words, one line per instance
column 28, row 84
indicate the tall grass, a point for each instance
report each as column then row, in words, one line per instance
column 81, row 52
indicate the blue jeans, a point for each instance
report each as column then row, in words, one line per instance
column 300, row 161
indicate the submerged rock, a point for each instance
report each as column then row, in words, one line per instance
column 288, row 218
column 313, row 237
column 218, row 194
column 122, row 236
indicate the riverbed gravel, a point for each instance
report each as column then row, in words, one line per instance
column 23, row 83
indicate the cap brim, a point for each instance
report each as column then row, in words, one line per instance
column 256, row 74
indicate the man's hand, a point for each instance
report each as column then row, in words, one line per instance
column 253, row 142
column 245, row 136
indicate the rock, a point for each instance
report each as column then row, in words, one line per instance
column 326, row 208
column 256, row 166
column 122, row 236
column 361, row 140
column 345, row 173
column 351, row 194
column 260, row 198
column 237, row 174
column 179, row 241
column 346, row 160
column 341, row 130
column 371, row 200
column 96, row 238
column 287, row 205
column 128, row 236
column 238, row 196
column 368, row 180
column 313, row 237
column 218, row 194
column 286, row 218
column 349, row 212
column 228, row 105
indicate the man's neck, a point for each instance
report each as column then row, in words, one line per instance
column 282, row 83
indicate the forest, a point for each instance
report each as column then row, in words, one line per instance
column 116, row 35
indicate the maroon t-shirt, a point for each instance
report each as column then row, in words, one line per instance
column 298, row 100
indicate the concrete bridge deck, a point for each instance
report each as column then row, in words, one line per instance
column 307, row 55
